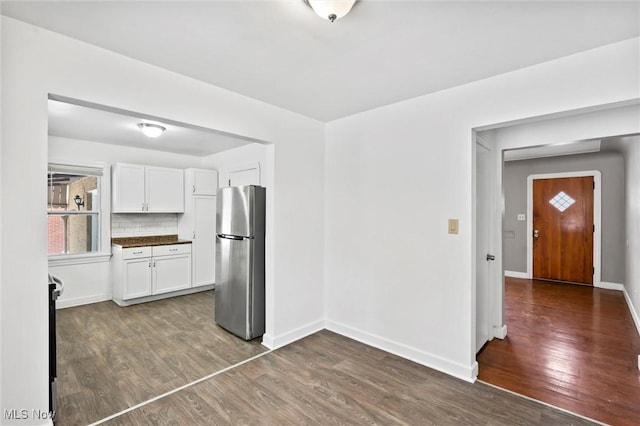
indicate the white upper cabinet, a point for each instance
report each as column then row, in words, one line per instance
column 164, row 189
column 201, row 181
column 147, row 189
column 128, row 188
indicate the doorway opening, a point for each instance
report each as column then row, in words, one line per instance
column 559, row 361
column 137, row 352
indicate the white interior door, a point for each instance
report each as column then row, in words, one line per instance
column 244, row 176
column 483, row 250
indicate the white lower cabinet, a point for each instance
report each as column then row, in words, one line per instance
column 140, row 272
column 137, row 278
column 171, row 268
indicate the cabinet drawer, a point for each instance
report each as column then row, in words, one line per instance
column 171, row 249
column 136, row 252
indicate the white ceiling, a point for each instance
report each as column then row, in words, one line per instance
column 556, row 150
column 280, row 52
column 90, row 123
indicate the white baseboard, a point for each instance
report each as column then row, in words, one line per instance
column 515, row 274
column 474, row 371
column 69, row 303
column 610, row 286
column 267, row 340
column 467, row 373
column 276, row 342
column 632, row 310
column 155, row 297
column 499, row 332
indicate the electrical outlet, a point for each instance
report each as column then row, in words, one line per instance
column 521, row 217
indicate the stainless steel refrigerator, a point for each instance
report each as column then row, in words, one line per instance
column 239, row 286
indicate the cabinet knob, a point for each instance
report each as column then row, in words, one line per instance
column 193, row 189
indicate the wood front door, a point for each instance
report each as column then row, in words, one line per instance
column 563, row 229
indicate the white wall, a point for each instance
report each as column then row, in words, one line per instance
column 84, row 283
column 37, row 62
column 394, row 175
column 629, row 146
column 247, row 154
column 580, row 125
column 1, row 208
column 632, row 221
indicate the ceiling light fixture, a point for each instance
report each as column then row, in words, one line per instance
column 331, row 9
column 151, row 130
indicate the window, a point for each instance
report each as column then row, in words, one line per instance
column 74, row 210
column 561, row 201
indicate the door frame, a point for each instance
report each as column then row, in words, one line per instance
column 483, row 246
column 597, row 218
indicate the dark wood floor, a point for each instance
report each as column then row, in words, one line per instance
column 328, row 379
column 111, row 358
column 575, row 347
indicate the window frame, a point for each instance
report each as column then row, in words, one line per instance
column 103, row 211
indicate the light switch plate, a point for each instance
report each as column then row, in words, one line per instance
column 453, row 226
column 521, row 217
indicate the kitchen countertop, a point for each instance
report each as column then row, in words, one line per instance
column 155, row 240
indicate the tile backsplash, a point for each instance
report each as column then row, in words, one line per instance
column 142, row 225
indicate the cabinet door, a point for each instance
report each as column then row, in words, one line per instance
column 171, row 273
column 128, row 188
column 137, row 278
column 164, row 190
column 205, row 182
column 204, row 240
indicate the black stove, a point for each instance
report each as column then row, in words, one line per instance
column 55, row 290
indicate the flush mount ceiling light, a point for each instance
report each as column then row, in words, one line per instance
column 331, row 9
column 151, row 130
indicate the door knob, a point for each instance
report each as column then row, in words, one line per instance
column 536, row 233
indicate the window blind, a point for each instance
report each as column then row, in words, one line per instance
column 74, row 170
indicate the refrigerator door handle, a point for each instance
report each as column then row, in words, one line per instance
column 232, row 237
